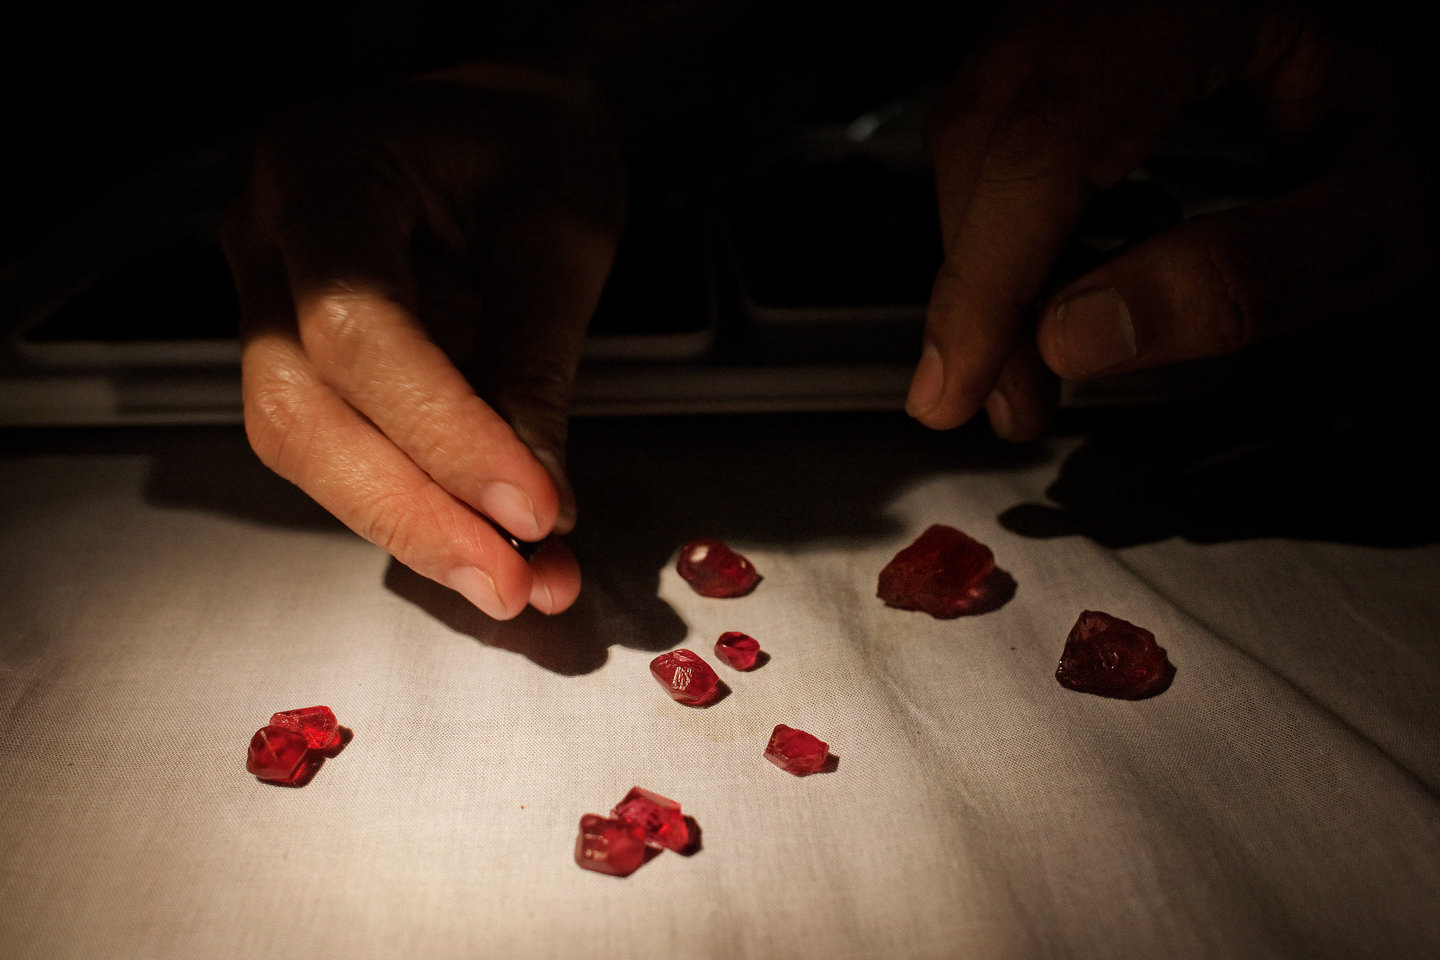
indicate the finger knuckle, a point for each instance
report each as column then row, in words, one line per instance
column 274, row 403
column 335, row 331
column 1031, row 142
column 1233, row 307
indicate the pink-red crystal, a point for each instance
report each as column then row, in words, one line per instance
column 659, row 818
column 714, row 570
column 608, row 845
column 1110, row 657
column 738, row 649
column 280, row 755
column 687, row 678
column 317, row 724
column 796, row 751
column 941, row 573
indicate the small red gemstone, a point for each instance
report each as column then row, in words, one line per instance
column 796, row 751
column 737, row 649
column 1110, row 657
column 609, row 846
column 941, row 573
column 659, row 818
column 687, row 678
column 714, row 570
column 316, row 724
column 280, row 755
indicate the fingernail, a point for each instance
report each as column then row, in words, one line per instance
column 1002, row 417
column 478, row 587
column 512, row 508
column 927, row 384
column 1095, row 331
column 541, row 598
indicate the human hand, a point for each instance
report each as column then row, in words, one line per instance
column 415, row 273
column 1064, row 101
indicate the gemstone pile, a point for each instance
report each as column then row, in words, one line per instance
column 942, row 573
column 293, row 745
column 1110, row 657
column 796, row 751
column 714, row 570
column 687, row 678
column 641, row 825
column 738, row 649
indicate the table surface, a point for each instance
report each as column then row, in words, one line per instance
column 162, row 595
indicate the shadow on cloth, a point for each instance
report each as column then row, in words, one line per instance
column 1243, row 467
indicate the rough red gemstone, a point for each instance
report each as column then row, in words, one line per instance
column 796, row 751
column 737, row 649
column 280, row 755
column 687, row 678
column 659, row 818
column 316, row 724
column 714, row 570
column 1110, row 657
column 941, row 573
column 609, row 845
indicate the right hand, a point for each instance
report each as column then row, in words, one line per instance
column 416, row 271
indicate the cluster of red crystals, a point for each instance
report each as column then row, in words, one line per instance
column 738, row 649
column 659, row 818
column 941, row 573
column 293, row 745
column 796, row 751
column 714, row 570
column 318, row 725
column 1110, row 657
column 610, row 846
column 687, row 678
column 617, row 844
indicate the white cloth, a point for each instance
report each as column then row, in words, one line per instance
column 162, row 596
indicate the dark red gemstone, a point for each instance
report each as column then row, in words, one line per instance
column 942, row 573
column 1110, row 657
column 714, row 570
column 687, row 678
column 280, row 755
column 796, row 751
column 316, row 724
column 659, row 818
column 609, row 846
column 737, row 649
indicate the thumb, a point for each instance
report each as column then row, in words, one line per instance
column 1220, row 282
column 543, row 287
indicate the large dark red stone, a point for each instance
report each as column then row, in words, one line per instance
column 796, row 751
column 659, row 818
column 280, row 755
column 317, row 724
column 942, row 573
column 714, row 570
column 610, row 846
column 738, row 649
column 1110, row 657
column 687, row 678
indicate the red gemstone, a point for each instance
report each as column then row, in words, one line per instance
column 659, row 818
column 280, row 755
column 316, row 724
column 609, row 846
column 714, row 570
column 687, row 678
column 796, row 751
column 941, row 573
column 737, row 649
column 1110, row 657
